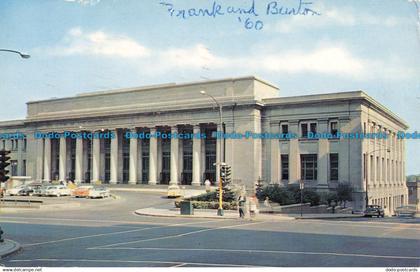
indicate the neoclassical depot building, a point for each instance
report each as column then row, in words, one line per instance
column 249, row 105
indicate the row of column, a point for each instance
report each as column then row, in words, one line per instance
column 133, row 159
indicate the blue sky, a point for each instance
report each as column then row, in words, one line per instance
column 88, row 45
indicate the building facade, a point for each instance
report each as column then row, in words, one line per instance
column 250, row 105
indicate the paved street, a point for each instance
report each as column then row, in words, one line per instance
column 107, row 233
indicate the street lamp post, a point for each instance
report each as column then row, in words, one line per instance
column 221, row 152
column 22, row 55
column 367, row 171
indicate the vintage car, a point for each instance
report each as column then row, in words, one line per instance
column 57, row 190
column 82, row 191
column 174, row 191
column 15, row 191
column 99, row 192
column 374, row 210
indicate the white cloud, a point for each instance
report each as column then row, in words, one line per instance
column 327, row 58
column 197, row 56
column 324, row 60
column 100, row 43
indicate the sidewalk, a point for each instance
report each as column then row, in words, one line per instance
column 161, row 212
column 8, row 247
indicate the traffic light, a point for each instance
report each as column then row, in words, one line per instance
column 226, row 174
column 4, row 162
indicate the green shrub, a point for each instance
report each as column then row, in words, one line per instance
column 229, row 196
column 209, row 205
column 288, row 195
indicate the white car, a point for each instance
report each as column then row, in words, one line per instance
column 15, row 191
column 57, row 190
column 98, row 192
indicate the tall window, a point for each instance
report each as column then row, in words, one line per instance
column 313, row 127
column 309, row 166
column 24, row 168
column 14, row 168
column 334, row 128
column 25, row 144
column 334, row 166
column 285, row 167
column 307, row 126
column 285, row 128
column 304, row 130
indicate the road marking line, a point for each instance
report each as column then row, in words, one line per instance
column 179, row 265
column 92, row 220
column 259, row 251
column 358, row 224
column 128, row 261
column 110, row 233
column 177, row 235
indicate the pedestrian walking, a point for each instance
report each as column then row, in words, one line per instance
column 241, row 206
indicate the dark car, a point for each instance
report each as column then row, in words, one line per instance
column 29, row 190
column 374, row 210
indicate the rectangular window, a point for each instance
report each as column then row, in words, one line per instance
column 13, row 168
column 285, row 167
column 313, row 127
column 285, row 129
column 304, row 130
column 334, row 128
column 24, row 168
column 334, row 166
column 309, row 167
column 25, row 144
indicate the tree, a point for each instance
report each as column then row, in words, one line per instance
column 344, row 193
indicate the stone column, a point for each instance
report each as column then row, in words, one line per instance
column 294, row 154
column 174, row 156
column 323, row 155
column 275, row 154
column 79, row 161
column 196, row 181
column 114, row 159
column 63, row 159
column 133, row 160
column 96, row 159
column 39, row 159
column 344, row 162
column 153, row 157
column 47, row 159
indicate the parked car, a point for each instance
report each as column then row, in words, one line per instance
column 374, row 210
column 57, row 190
column 174, row 191
column 29, row 190
column 40, row 191
column 15, row 191
column 406, row 211
column 98, row 192
column 82, row 191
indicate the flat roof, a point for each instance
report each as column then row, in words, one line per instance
column 157, row 86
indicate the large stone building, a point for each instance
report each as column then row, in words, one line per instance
column 249, row 104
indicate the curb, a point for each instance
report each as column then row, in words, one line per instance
column 327, row 217
column 13, row 247
column 137, row 212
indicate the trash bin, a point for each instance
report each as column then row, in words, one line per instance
column 186, row 208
